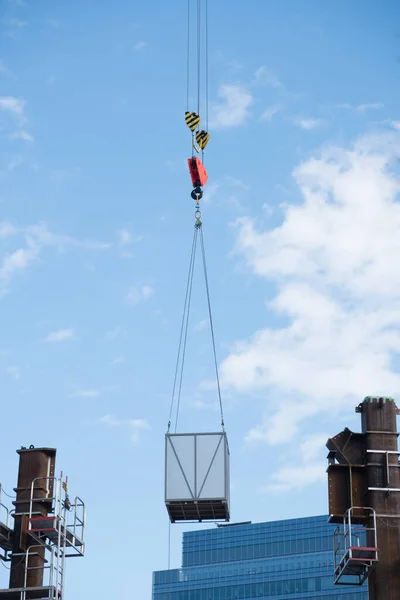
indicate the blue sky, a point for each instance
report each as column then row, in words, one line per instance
column 301, row 224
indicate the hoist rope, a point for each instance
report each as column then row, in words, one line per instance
column 206, row 56
column 197, row 37
column 198, row 54
column 188, row 57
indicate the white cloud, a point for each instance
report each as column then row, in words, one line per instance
column 265, row 76
column 126, row 255
column 55, row 23
column 362, row 107
column 237, row 183
column 308, row 467
column 15, row 108
column 211, row 191
column 138, row 293
column 13, row 27
column 6, row 71
column 36, row 238
column 234, row 110
column 201, row 404
column 201, row 325
column 112, row 334
column 140, row 46
column 15, row 261
column 136, row 426
column 125, row 237
column 14, row 162
column 226, row 191
column 45, row 237
column 396, row 124
column 89, row 266
column 7, row 229
column 14, row 22
column 369, row 106
column 269, row 112
column 14, row 372
column 12, row 105
column 308, row 123
column 110, row 420
column 118, row 360
column 61, row 335
column 22, row 135
column 87, row 393
column 233, row 65
column 333, row 259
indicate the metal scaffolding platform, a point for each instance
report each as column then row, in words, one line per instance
column 5, row 537
column 6, row 532
column 63, row 528
column 36, row 593
column 52, row 528
column 356, row 550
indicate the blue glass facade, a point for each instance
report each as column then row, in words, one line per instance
column 276, row 560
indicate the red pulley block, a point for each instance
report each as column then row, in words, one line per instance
column 197, row 171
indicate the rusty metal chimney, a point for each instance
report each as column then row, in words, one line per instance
column 45, row 527
column 364, row 472
column 36, row 466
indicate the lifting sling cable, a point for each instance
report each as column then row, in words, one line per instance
column 180, row 361
column 203, row 253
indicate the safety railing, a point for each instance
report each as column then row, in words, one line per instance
column 51, row 566
column 5, row 512
column 355, row 547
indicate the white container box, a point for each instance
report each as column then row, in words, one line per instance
column 197, row 476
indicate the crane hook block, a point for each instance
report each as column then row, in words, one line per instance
column 197, row 171
column 202, row 138
column 192, row 120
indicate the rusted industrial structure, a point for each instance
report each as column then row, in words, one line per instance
column 364, row 499
column 41, row 530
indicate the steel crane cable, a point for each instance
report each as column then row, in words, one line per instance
column 198, row 42
column 198, row 54
column 188, row 57
column 206, row 57
column 206, row 75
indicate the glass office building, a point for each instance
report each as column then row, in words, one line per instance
column 276, row 560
